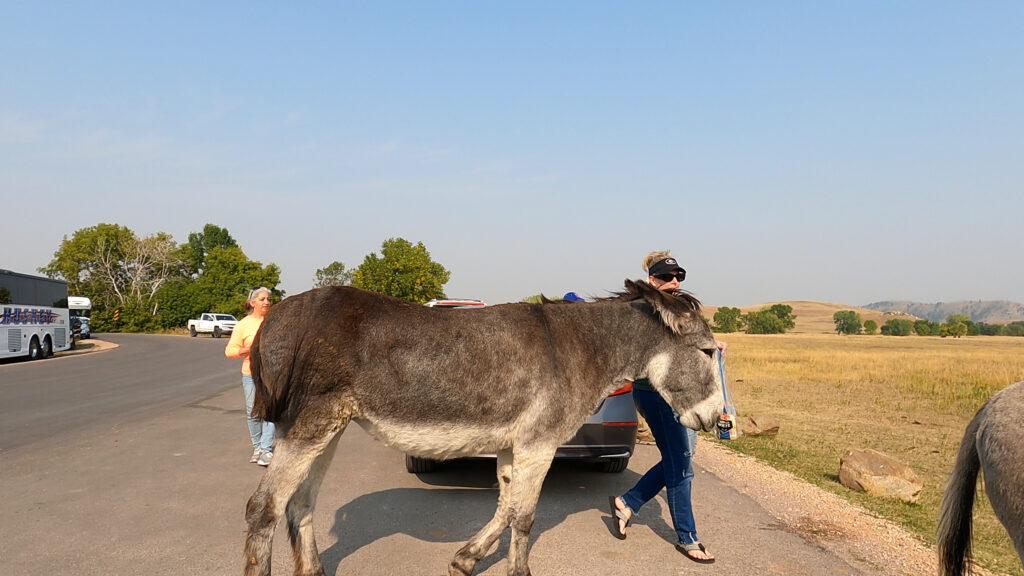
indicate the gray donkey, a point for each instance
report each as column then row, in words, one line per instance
column 994, row 444
column 516, row 380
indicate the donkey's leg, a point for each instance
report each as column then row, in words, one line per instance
column 529, row 469
column 294, row 457
column 477, row 546
column 299, row 514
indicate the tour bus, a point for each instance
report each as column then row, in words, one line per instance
column 34, row 318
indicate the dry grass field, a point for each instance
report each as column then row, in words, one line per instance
column 909, row 397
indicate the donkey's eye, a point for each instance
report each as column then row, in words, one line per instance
column 709, row 351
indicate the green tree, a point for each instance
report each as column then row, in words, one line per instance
column 971, row 328
column 200, row 243
column 926, row 328
column 847, row 322
column 334, row 274
column 402, row 270
column 898, row 327
column 117, row 270
column 1014, row 329
column 222, row 286
column 727, row 319
column 956, row 329
column 88, row 261
column 986, row 329
column 764, row 322
column 784, row 312
column 870, row 327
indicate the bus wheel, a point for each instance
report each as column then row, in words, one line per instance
column 47, row 348
column 34, row 350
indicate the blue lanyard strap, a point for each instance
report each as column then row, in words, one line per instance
column 721, row 375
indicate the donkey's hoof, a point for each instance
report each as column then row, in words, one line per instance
column 461, row 568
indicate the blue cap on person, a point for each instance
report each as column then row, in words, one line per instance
column 572, row 297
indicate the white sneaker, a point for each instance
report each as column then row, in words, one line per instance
column 265, row 458
column 256, row 452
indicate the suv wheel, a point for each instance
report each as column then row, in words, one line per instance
column 415, row 465
column 216, row 331
column 614, row 466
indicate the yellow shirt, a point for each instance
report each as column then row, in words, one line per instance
column 241, row 338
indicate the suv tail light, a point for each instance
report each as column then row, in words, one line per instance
column 624, row 390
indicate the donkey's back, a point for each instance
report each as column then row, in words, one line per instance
column 993, row 444
column 404, row 366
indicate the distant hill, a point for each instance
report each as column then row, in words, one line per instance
column 815, row 317
column 989, row 312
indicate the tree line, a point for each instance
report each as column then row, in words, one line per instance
column 148, row 283
column 774, row 319
column 956, row 325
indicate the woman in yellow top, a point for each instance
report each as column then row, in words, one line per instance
column 260, row 432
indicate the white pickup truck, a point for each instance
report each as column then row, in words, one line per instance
column 211, row 323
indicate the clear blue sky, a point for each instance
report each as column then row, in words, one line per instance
column 844, row 152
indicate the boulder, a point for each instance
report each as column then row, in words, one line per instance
column 758, row 426
column 877, row 474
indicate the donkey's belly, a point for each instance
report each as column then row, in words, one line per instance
column 438, row 440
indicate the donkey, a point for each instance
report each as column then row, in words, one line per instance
column 993, row 443
column 515, row 379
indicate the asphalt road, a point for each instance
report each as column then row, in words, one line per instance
column 145, row 374
column 135, row 461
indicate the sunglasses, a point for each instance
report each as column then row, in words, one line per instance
column 681, row 275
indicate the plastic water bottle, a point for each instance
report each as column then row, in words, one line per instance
column 727, row 425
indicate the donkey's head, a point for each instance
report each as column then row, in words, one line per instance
column 682, row 367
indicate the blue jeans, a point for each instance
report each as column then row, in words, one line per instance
column 261, row 433
column 675, row 471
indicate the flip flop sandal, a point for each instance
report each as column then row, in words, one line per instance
column 687, row 548
column 618, row 514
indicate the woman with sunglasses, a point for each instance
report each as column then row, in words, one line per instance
column 261, row 433
column 675, row 442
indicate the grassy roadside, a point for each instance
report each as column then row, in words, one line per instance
column 909, row 397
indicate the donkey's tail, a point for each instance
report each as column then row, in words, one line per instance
column 954, row 527
column 271, row 386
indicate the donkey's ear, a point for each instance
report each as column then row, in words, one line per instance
column 647, row 292
column 659, row 303
column 677, row 312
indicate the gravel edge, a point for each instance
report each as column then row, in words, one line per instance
column 859, row 537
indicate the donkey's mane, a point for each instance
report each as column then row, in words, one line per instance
column 681, row 301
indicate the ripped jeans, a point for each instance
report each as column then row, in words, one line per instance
column 675, row 470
